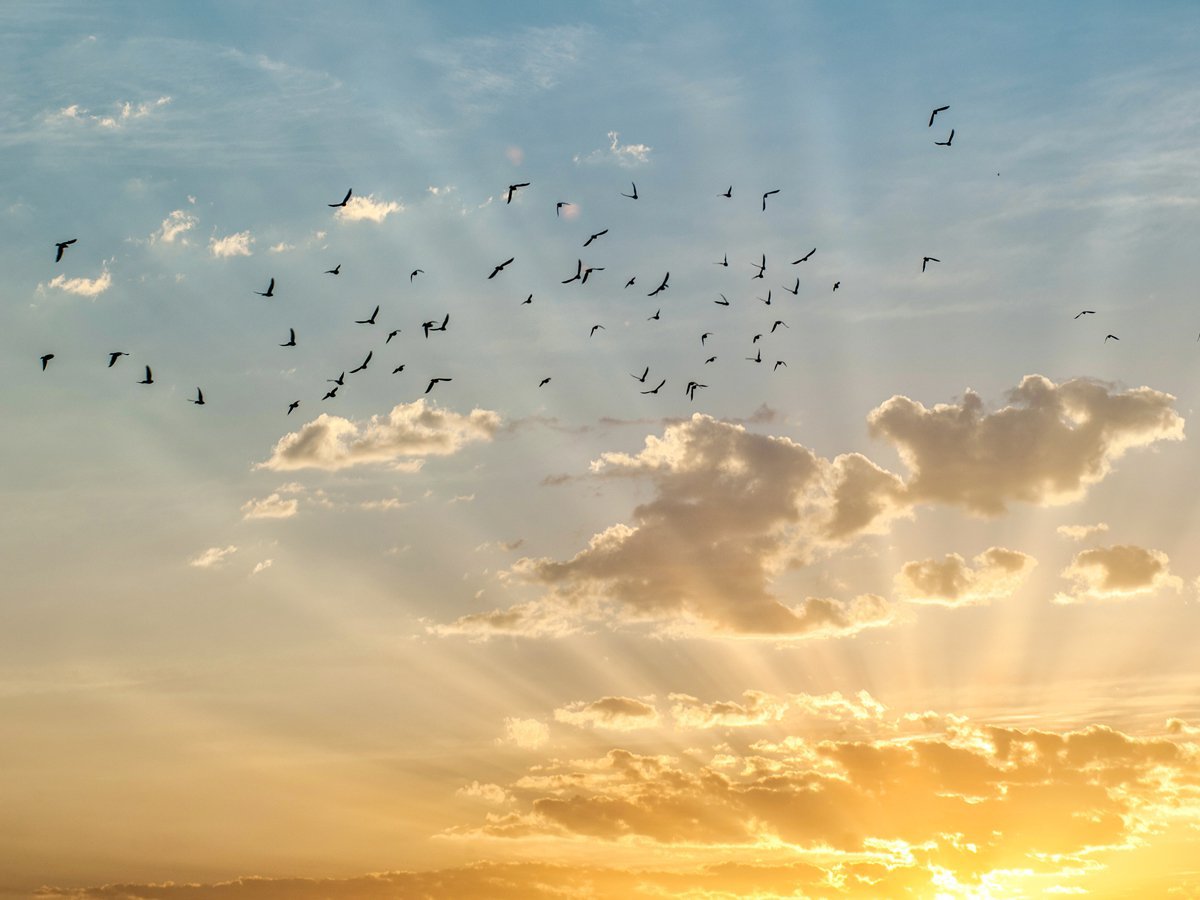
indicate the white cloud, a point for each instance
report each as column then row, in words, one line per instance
column 125, row 113
column 627, row 155
column 529, row 734
column 213, row 556
column 263, row 566
column 84, row 287
column 271, row 507
column 237, row 244
column 282, row 247
column 951, row 582
column 1120, row 572
column 176, row 223
column 1080, row 532
column 367, row 209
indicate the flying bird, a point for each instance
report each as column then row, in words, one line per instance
column 114, row 356
column 433, row 381
column 370, row 320
column 336, row 270
column 724, row 262
column 756, row 358
column 756, row 339
column 778, row 322
column 339, row 381
column 762, row 267
column 656, row 315
column 370, row 353
column 149, row 379
column 199, row 401
column 728, row 192
column 432, row 326
column 710, row 359
column 512, row 188
column 793, row 290
column 528, row 299
column 1113, row 336
column 62, row 246
column 661, row 287
column 392, row 334
column 933, row 114
column 778, row 363
column 704, row 337
column 345, row 200
column 768, row 300
column 722, row 301
column 594, row 329
column 644, row 374
column 500, row 267
column 594, row 236
column 1086, row 312
column 331, row 393
column 655, row 389
column 543, row 382
column 766, row 195
column 398, row 369
column 634, row 195
column 292, row 406
column 559, row 205
column 269, row 292
column 690, row 390
column 589, row 270
column 836, row 285
column 50, row 356
column 630, row 282
column 805, row 257
column 946, row 142
column 291, row 342
column 576, row 277
column 414, row 273
column 928, row 259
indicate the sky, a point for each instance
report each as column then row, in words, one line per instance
column 452, row 587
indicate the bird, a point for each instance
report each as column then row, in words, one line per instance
column 291, row 338
column 704, row 337
column 756, row 358
column 445, row 322
column 946, row 142
column 336, row 270
column 656, row 315
column 928, row 259
column 559, row 205
column 269, row 292
column 433, row 381
column 398, row 369
column 527, row 300
column 836, row 285
column 62, row 246
column 710, row 359
column 543, row 382
column 756, row 338
column 340, row 380
column 292, row 406
column 370, row 353
column 724, row 262
column 1086, row 312
column 512, row 188
column 793, row 290
column 654, row 390
column 498, row 268
column 414, row 273
column 661, row 287
column 199, row 401
column 392, row 334
column 46, row 358
column 728, row 192
column 762, row 267
column 576, row 277
column 634, row 195
column 630, row 282
column 1113, row 336
column 778, row 363
column 933, row 114
column 690, row 390
column 722, row 301
column 805, row 257
column 766, row 195
column 594, row 329
column 589, row 270
column 370, row 320
column 644, row 374
column 768, row 300
column 331, row 393
column 345, row 200
column 432, row 326
column 149, row 379
column 778, row 322
column 114, row 356
column 594, row 236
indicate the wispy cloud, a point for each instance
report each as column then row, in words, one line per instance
column 213, row 556
column 627, row 155
column 1080, row 532
column 83, row 287
column 178, row 222
column 273, row 506
column 616, row 713
column 237, row 244
column 367, row 209
column 529, row 734
column 125, row 112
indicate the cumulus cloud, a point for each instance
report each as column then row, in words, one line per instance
column 1045, row 447
column 367, row 209
column 617, row 713
column 1120, row 572
column 273, row 506
column 125, row 112
column 178, row 222
column 213, row 556
column 528, row 734
column 237, row 244
column 627, row 155
column 401, row 439
column 755, row 708
column 262, row 566
column 997, row 573
column 84, row 287
column 488, row 793
column 1081, row 532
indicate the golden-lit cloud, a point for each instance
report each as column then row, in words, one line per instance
column 755, row 708
column 1120, row 572
column 1045, row 447
column 213, row 556
column 178, row 222
column 529, row 734
column 996, row 574
column 617, row 713
column 367, row 209
column 401, row 439
column 273, row 506
column 82, row 287
column 237, row 244
column 1080, row 532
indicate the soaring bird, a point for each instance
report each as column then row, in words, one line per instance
column 49, row 356
column 926, row 260
column 345, row 200
column 805, row 257
column 62, row 246
column 543, row 382
column 946, row 142
column 594, row 236
column 114, row 356
column 370, row 320
column 766, row 195
column 756, row 358
column 728, row 192
column 559, row 205
column 710, row 359
column 392, row 334
column 589, row 270
column 527, row 300
column 576, row 277
column 661, row 287
column 1113, row 336
column 433, row 381
column 1085, row 312
column 269, row 292
column 778, row 322
column 768, row 300
column 594, row 329
column 793, row 290
column 634, row 195
column 778, row 363
column 339, row 381
column 512, row 188
column 199, row 401
column 644, row 374
column 291, row 342
column 414, row 273
column 399, row 369
column 630, row 282
column 332, row 392
column 433, row 326
column 292, row 406
column 724, row 261
column 933, row 114
column 722, row 301
column 149, row 379
column 654, row 390
column 762, row 267
column 756, row 338
column 836, row 285
column 336, row 270
column 704, row 337
column 370, row 353
column 655, row 317
column 500, row 267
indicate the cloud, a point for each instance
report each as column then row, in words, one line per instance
column 212, row 557
column 755, row 708
column 1046, row 447
column 263, row 566
column 617, row 713
column 627, row 155
column 270, row 507
column 528, row 734
column 125, row 112
column 367, row 209
column 951, row 582
column 1080, row 532
column 281, row 247
column 84, row 287
column 176, row 223
column 237, row 244
column 1117, row 573
column 410, row 432
column 488, row 793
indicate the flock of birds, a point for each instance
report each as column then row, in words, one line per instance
column 581, row 275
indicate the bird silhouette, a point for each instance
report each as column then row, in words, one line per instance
column 710, row 359
column 392, row 334
column 766, row 195
column 928, row 259
column 589, row 270
column 704, row 337
column 768, row 300
column 433, row 326
column 947, row 141
column 433, row 381
column 630, row 282
column 778, row 363
column 500, row 267
column 269, row 292
column 292, row 406
column 62, row 246
column 414, row 273
column 661, row 287
column 728, row 192
column 594, row 236
column 762, row 267
column 559, row 205
column 332, row 392
column 836, row 285
column 634, row 195
column 398, row 369
column 756, row 358
column 527, row 300
column 1086, row 312
column 543, row 382
column 793, row 290
column 370, row 353
column 778, row 322
column 339, row 381
column 291, row 342
column 644, row 374
column 722, row 301
column 595, row 328
column 656, row 315
column 805, row 257
column 114, row 356
column 149, row 379
column 512, row 189
column 370, row 320
column 691, row 388
column 1113, row 336
column 345, row 200
column 933, row 114
column 336, row 270
column 756, row 338
column 576, row 277
column 654, row 390
column 46, row 359
column 199, row 401
column 724, row 261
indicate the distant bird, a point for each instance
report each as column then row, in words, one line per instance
column 114, row 356
column 291, row 342
column 710, row 359
column 512, row 188
column 630, row 282
column 62, row 246
column 433, row 381
column 332, row 392
column 644, row 374
column 370, row 353
column 199, row 401
column 925, row 260
column 292, row 406
column 543, row 382
column 340, row 380
column 766, row 195
column 654, row 317
column 269, row 292
column 793, row 290
column 778, row 363
column 345, row 200
column 398, row 369
column 414, row 273
column 778, row 322
column 654, row 390
column 370, row 320
column 805, row 257
column 433, row 326
column 722, row 301
column 756, row 358
column 768, row 300
column 691, row 388
column 392, row 334
column 836, row 285
column 634, row 195
column 527, row 300
column 47, row 358
column 661, row 287
column 933, row 114
column 149, row 379
column 947, row 141
column 589, row 270
column 762, row 267
column 704, row 337
column 594, row 236
column 728, row 192
column 336, row 270
column 559, row 205
column 595, row 328
column 1086, row 312
column 724, row 261
column 576, row 277
column 756, row 338
column 1113, row 336
column 500, row 267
